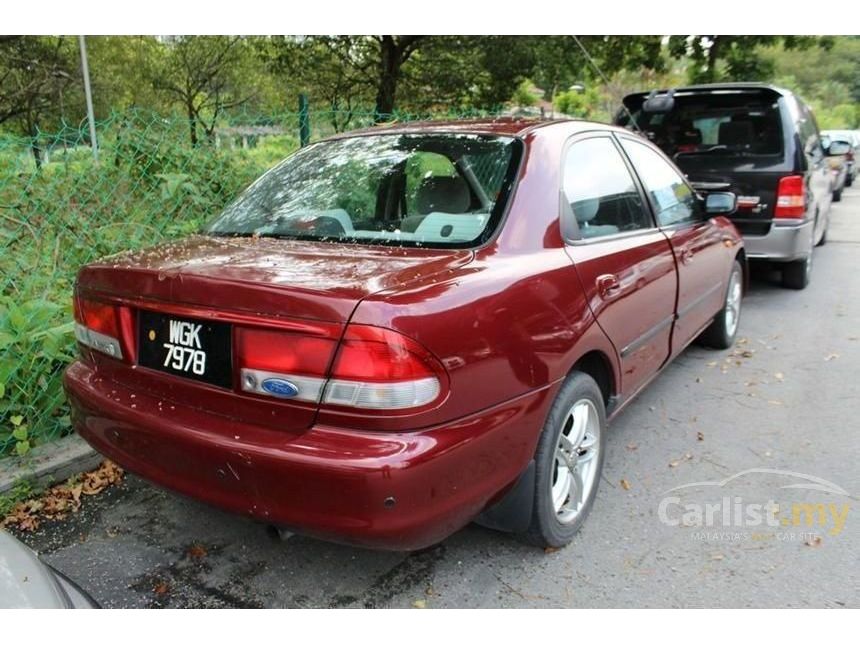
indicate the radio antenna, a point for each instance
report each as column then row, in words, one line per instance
column 606, row 82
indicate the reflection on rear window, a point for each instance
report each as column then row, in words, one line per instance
column 436, row 190
column 716, row 124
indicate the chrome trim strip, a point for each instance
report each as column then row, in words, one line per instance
column 648, row 335
column 309, row 388
column 98, row 341
column 695, row 303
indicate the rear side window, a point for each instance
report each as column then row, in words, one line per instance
column 601, row 191
column 674, row 201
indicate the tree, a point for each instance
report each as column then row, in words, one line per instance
column 734, row 58
column 35, row 75
column 202, row 74
column 317, row 67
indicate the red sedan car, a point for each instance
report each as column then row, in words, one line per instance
column 398, row 331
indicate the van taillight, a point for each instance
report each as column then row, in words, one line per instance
column 97, row 325
column 790, row 197
column 373, row 368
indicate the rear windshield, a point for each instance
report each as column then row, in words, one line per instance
column 434, row 190
column 714, row 124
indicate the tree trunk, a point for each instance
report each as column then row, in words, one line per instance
column 389, row 74
column 35, row 148
column 713, row 55
column 192, row 123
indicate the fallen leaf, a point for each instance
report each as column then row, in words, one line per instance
column 161, row 588
column 632, row 446
column 197, row 552
column 419, row 604
column 550, row 549
column 673, row 464
column 830, row 357
column 625, row 484
column 700, row 436
column 813, row 541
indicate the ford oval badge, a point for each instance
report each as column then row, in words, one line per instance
column 279, row 387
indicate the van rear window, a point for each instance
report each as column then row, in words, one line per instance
column 730, row 123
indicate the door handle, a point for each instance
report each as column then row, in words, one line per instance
column 686, row 256
column 608, row 285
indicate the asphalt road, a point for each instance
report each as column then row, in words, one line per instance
column 786, row 398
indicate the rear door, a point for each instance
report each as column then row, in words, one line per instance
column 696, row 241
column 623, row 261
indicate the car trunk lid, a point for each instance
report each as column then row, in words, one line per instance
column 203, row 294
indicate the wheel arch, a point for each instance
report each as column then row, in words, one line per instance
column 597, row 365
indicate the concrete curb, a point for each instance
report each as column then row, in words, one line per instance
column 49, row 463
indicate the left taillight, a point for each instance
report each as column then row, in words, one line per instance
column 97, row 325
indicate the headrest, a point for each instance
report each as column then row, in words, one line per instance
column 586, row 209
column 442, row 194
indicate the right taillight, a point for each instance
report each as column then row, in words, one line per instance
column 381, row 369
column 790, row 197
column 373, row 368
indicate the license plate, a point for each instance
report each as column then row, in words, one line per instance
column 195, row 349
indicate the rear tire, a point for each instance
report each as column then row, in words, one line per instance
column 568, row 462
column 723, row 330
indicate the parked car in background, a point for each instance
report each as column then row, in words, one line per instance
column 758, row 141
column 837, row 158
column 400, row 330
column 852, row 137
column 26, row 582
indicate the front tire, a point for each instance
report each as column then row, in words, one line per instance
column 723, row 330
column 568, row 462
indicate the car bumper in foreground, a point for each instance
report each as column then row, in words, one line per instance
column 784, row 243
column 400, row 491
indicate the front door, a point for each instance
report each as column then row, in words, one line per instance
column 696, row 240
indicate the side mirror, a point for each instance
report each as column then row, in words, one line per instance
column 721, row 203
column 838, row 148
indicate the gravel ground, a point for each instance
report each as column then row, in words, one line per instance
column 785, row 398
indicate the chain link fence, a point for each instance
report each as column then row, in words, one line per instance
column 60, row 210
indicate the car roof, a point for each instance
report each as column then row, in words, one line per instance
column 499, row 126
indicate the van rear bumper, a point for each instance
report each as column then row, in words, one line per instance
column 785, row 242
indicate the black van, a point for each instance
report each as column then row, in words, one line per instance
column 757, row 141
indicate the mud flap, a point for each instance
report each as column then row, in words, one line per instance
column 513, row 513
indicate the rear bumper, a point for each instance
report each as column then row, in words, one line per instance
column 784, row 243
column 400, row 491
